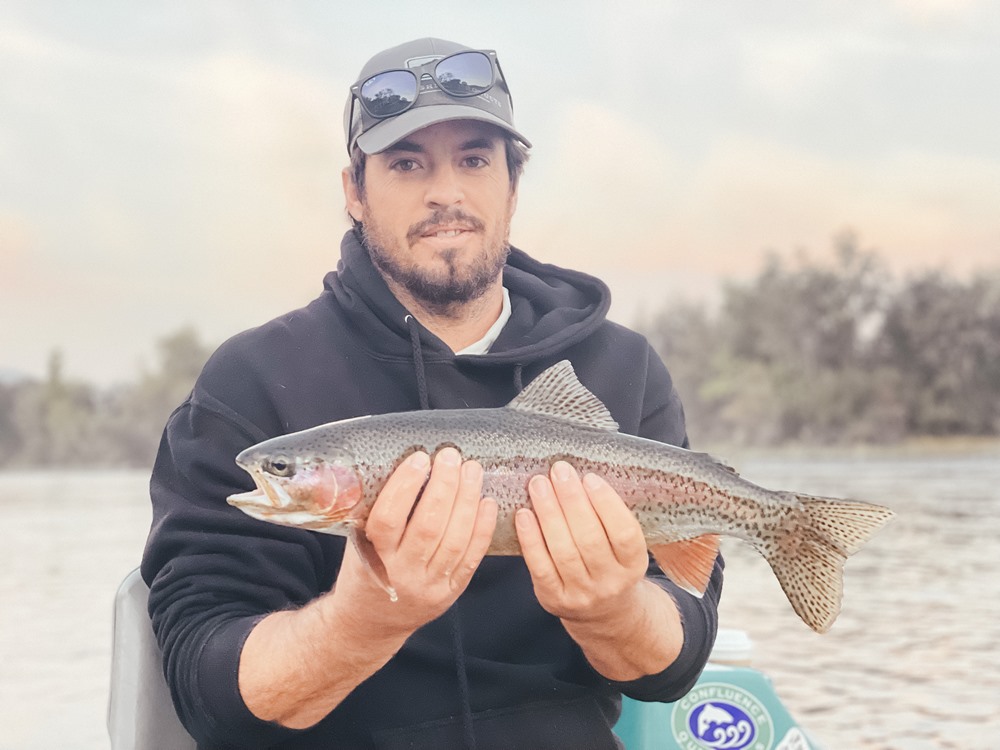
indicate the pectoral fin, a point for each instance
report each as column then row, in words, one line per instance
column 688, row 563
column 372, row 561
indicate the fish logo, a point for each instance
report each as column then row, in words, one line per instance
column 720, row 716
column 722, row 726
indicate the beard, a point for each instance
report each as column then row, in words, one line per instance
column 463, row 279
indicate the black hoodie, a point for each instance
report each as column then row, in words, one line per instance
column 496, row 655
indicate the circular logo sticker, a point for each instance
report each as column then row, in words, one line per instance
column 720, row 716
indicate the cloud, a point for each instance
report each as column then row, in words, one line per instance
column 930, row 11
column 207, row 182
column 613, row 196
column 21, row 45
column 656, row 226
column 258, row 102
column 17, row 238
column 603, row 181
column 917, row 208
column 267, row 150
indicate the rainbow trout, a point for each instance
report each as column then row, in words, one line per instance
column 326, row 479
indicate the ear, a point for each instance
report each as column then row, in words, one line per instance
column 355, row 207
column 512, row 204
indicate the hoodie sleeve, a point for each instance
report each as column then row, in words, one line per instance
column 663, row 420
column 213, row 573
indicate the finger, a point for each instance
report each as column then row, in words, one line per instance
column 621, row 528
column 581, row 516
column 584, row 525
column 479, row 544
column 555, row 531
column 387, row 519
column 535, row 552
column 430, row 518
column 455, row 540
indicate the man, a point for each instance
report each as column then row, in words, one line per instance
column 277, row 637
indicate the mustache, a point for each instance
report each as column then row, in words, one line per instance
column 443, row 217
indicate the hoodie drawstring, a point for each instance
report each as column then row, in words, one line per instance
column 468, row 731
column 418, row 361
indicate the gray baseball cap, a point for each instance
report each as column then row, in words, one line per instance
column 432, row 105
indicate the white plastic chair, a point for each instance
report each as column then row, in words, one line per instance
column 141, row 714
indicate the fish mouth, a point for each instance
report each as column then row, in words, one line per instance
column 266, row 496
column 271, row 501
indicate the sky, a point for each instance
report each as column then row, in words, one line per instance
column 165, row 164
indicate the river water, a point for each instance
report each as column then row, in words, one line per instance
column 911, row 664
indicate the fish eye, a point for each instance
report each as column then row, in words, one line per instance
column 280, row 467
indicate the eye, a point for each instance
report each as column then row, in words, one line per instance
column 404, row 165
column 279, row 466
column 476, row 161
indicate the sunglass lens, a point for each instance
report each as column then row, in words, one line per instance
column 390, row 93
column 465, row 74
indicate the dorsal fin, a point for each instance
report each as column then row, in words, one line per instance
column 557, row 393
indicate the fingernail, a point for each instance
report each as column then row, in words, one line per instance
column 562, row 470
column 592, row 481
column 523, row 518
column 539, row 485
column 420, row 461
column 489, row 506
column 449, row 456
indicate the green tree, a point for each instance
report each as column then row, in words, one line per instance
column 687, row 339
column 134, row 416
column 788, row 355
column 943, row 337
column 10, row 435
column 54, row 421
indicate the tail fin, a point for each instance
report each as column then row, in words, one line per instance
column 809, row 560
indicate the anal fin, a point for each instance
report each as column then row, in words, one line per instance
column 688, row 563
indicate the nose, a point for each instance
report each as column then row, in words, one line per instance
column 444, row 187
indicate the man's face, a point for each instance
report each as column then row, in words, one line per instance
column 436, row 212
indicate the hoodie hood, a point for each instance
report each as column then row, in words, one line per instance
column 552, row 308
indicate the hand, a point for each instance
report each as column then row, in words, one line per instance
column 298, row 665
column 430, row 557
column 587, row 557
column 584, row 548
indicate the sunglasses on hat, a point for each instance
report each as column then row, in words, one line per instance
column 460, row 75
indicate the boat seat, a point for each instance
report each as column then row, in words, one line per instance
column 141, row 714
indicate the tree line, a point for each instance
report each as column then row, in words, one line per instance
column 56, row 422
column 821, row 351
column 837, row 350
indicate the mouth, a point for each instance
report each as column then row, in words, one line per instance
column 266, row 496
column 446, row 233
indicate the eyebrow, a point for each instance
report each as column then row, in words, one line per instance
column 404, row 145
column 474, row 144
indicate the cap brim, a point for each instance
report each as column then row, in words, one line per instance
column 387, row 132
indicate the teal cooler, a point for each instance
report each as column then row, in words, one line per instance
column 731, row 707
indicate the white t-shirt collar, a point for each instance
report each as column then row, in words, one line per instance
column 483, row 345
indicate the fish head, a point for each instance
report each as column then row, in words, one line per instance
column 311, row 489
